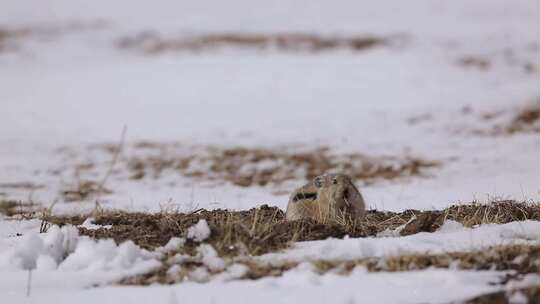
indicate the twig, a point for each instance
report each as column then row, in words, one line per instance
column 117, row 151
column 196, row 211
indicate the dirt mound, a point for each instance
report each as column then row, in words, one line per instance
column 469, row 215
column 264, row 229
column 255, row 231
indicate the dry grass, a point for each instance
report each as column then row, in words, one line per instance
column 12, row 38
column 474, row 62
column 11, row 208
column 247, row 167
column 84, row 190
column 470, row 215
column 21, row 185
column 526, row 120
column 521, row 258
column 255, row 231
column 264, row 229
column 154, row 43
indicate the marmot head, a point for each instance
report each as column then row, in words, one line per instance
column 337, row 189
column 327, row 197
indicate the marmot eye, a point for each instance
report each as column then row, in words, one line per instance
column 334, row 181
column 317, row 182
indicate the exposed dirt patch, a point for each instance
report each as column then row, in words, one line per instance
column 526, row 120
column 521, row 60
column 423, row 222
column 154, row 43
column 247, row 167
column 474, row 62
column 11, row 39
column 21, row 185
column 504, row 122
column 12, row 208
column 279, row 168
column 84, row 190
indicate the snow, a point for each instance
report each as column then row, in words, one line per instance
column 433, row 286
column 450, row 226
column 62, row 252
column 89, row 224
column 518, row 298
column 51, row 247
column 357, row 101
column 76, row 89
column 210, row 258
column 232, row 272
column 447, row 240
column 199, row 274
column 199, row 232
column 173, row 244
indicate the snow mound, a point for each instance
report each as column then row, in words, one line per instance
column 62, row 249
column 199, row 232
column 210, row 258
column 89, row 224
column 41, row 250
column 173, row 244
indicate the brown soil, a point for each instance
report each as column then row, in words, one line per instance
column 154, row 43
column 426, row 221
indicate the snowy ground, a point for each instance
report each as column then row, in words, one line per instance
column 70, row 87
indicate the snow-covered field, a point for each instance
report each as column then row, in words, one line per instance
column 449, row 91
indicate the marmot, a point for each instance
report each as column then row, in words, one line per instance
column 328, row 198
